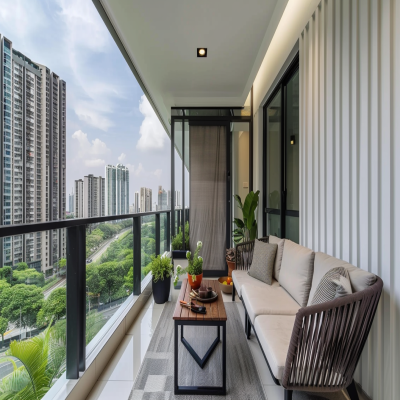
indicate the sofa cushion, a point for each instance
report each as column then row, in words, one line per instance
column 240, row 277
column 267, row 300
column 331, row 286
column 274, row 333
column 297, row 271
column 279, row 253
column 262, row 264
column 323, row 262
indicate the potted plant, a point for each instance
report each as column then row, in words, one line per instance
column 194, row 270
column 162, row 269
column 178, row 252
column 246, row 228
column 230, row 260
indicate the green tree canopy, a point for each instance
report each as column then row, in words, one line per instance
column 22, row 266
column 28, row 276
column 128, row 280
column 6, row 273
column 3, row 327
column 54, row 307
column 27, row 299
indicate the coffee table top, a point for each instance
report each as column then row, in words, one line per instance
column 215, row 310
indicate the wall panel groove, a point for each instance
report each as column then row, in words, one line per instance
column 349, row 158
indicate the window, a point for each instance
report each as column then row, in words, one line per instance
column 281, row 157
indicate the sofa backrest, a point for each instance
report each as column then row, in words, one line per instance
column 323, row 262
column 279, row 253
column 296, row 271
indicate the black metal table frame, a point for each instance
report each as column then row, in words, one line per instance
column 200, row 390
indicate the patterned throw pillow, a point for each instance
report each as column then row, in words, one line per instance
column 335, row 283
column 263, row 261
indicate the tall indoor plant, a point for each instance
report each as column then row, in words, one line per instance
column 194, row 270
column 162, row 269
column 246, row 228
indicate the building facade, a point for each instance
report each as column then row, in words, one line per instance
column 71, row 201
column 146, row 198
column 90, row 197
column 116, row 189
column 162, row 199
column 137, row 203
column 33, row 138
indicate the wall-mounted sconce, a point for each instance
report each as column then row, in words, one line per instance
column 292, row 140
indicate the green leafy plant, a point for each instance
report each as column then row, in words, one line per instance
column 177, row 240
column 160, row 267
column 195, row 266
column 246, row 228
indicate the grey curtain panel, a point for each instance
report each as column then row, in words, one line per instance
column 208, row 193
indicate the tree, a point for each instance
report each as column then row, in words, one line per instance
column 4, row 285
column 6, row 273
column 128, row 280
column 22, row 266
column 20, row 304
column 111, row 278
column 63, row 263
column 54, row 307
column 3, row 329
column 28, row 276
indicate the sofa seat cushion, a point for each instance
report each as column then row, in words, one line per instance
column 240, row 277
column 267, row 300
column 323, row 263
column 297, row 271
column 274, row 333
column 278, row 259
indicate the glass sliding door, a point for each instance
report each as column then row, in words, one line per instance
column 281, row 158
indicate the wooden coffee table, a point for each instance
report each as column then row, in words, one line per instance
column 215, row 316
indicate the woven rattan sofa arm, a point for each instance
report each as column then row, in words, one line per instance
column 244, row 253
column 327, row 341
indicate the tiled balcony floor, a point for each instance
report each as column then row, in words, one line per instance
column 116, row 382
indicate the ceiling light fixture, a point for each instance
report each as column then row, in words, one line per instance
column 202, row 52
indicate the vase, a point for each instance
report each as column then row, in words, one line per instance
column 231, row 267
column 161, row 290
column 195, row 283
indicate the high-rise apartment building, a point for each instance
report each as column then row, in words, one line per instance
column 90, row 197
column 137, row 203
column 32, row 183
column 178, row 199
column 71, row 201
column 117, row 189
column 162, row 199
column 146, row 198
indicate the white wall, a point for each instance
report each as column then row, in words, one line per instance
column 350, row 156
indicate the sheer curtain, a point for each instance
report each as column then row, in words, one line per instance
column 208, row 193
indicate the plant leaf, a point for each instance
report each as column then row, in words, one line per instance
column 239, row 223
column 238, row 201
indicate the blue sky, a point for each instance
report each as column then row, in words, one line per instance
column 109, row 120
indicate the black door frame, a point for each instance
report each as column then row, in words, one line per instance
column 283, row 212
column 226, row 120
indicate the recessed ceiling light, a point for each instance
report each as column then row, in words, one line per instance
column 202, row 52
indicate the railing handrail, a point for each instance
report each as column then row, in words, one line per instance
column 21, row 229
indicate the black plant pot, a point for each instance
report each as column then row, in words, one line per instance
column 161, row 290
column 179, row 254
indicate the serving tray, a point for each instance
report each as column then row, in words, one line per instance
column 214, row 296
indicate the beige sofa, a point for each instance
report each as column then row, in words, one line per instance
column 306, row 347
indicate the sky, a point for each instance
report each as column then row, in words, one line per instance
column 109, row 120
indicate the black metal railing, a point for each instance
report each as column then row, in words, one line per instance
column 76, row 271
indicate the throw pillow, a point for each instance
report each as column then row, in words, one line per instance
column 262, row 264
column 335, row 283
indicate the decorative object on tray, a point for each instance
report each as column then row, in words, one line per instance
column 230, row 260
column 193, row 307
column 194, row 270
column 225, row 284
column 208, row 292
column 178, row 250
column 162, row 269
column 246, row 228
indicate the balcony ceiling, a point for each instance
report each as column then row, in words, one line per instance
column 161, row 39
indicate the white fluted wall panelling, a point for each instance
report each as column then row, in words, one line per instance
column 350, row 156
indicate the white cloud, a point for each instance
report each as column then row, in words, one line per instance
column 95, row 163
column 158, row 173
column 122, row 157
column 152, row 133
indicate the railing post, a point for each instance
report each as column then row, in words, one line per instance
column 167, row 230
column 76, row 301
column 137, row 256
column 158, row 228
column 179, row 221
